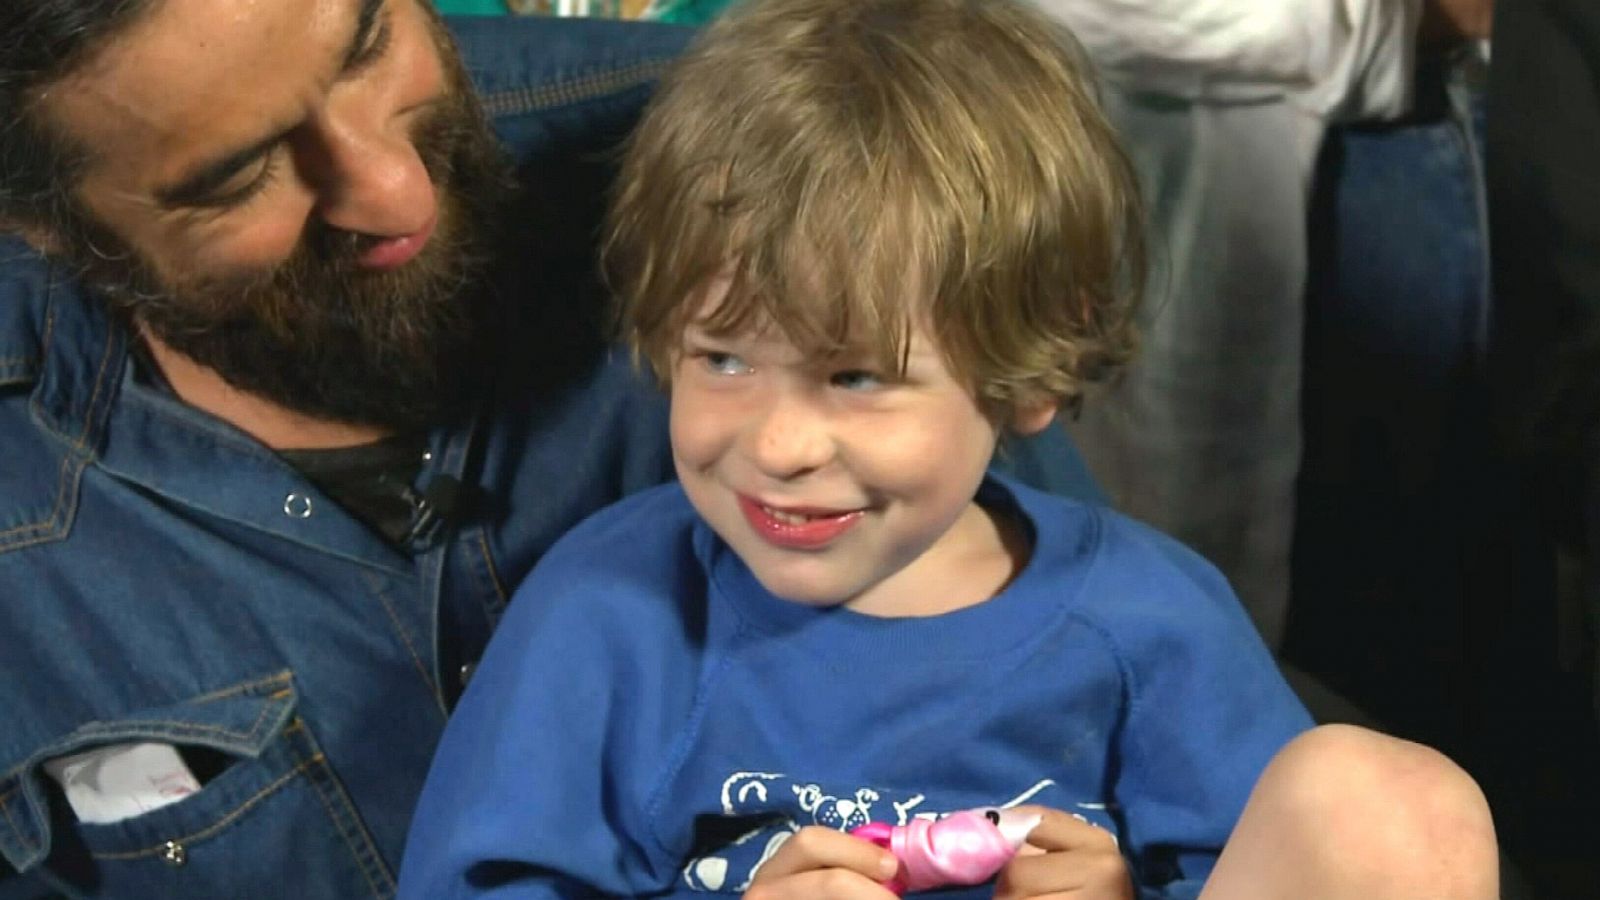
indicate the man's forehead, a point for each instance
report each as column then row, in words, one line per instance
column 193, row 77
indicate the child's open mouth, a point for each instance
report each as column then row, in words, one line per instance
column 801, row 528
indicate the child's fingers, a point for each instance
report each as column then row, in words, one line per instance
column 1065, row 857
column 819, row 884
column 814, row 848
column 1078, row 875
column 1059, row 831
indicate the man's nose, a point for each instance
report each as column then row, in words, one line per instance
column 791, row 438
column 368, row 179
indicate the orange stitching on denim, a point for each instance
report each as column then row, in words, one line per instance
column 49, row 327
column 5, row 807
column 184, row 727
column 349, row 842
column 488, row 565
column 44, row 346
column 99, row 379
column 571, row 90
column 400, row 630
column 61, row 495
column 284, row 675
column 26, row 543
column 222, row 823
column 49, row 524
column 97, row 729
column 62, row 489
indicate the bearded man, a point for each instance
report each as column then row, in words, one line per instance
column 284, row 417
column 296, row 384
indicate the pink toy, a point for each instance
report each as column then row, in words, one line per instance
column 966, row 847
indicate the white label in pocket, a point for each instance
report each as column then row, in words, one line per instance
column 120, row 781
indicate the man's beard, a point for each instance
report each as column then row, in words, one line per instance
column 317, row 333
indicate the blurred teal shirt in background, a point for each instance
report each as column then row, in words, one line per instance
column 472, row 7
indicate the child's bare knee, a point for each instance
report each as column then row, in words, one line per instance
column 1355, row 766
column 1389, row 806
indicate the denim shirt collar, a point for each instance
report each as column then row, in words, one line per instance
column 66, row 347
column 77, row 358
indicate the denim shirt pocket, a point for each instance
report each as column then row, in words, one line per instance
column 271, row 780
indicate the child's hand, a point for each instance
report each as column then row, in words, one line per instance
column 822, row 863
column 1066, row 857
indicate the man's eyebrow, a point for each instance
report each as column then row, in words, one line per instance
column 203, row 180
column 366, row 19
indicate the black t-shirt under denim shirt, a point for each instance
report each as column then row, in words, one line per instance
column 372, row 481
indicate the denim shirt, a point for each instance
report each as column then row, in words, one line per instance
column 165, row 578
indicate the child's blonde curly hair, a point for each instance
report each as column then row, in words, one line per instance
column 860, row 166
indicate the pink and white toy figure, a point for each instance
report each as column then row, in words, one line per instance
column 967, row 847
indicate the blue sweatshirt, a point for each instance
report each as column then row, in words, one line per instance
column 649, row 720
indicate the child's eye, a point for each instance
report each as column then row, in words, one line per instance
column 856, row 380
column 724, row 363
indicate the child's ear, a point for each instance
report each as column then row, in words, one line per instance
column 1033, row 416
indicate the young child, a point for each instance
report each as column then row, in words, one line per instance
column 858, row 239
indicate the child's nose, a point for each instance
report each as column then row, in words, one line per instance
column 791, row 439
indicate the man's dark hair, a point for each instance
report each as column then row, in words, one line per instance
column 42, row 41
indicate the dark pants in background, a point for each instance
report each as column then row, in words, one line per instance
column 1448, row 489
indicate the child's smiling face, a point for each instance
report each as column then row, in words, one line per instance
column 836, row 481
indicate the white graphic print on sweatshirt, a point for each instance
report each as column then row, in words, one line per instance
column 761, row 810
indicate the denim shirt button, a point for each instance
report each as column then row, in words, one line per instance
column 466, row 672
column 297, row 506
column 174, row 854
